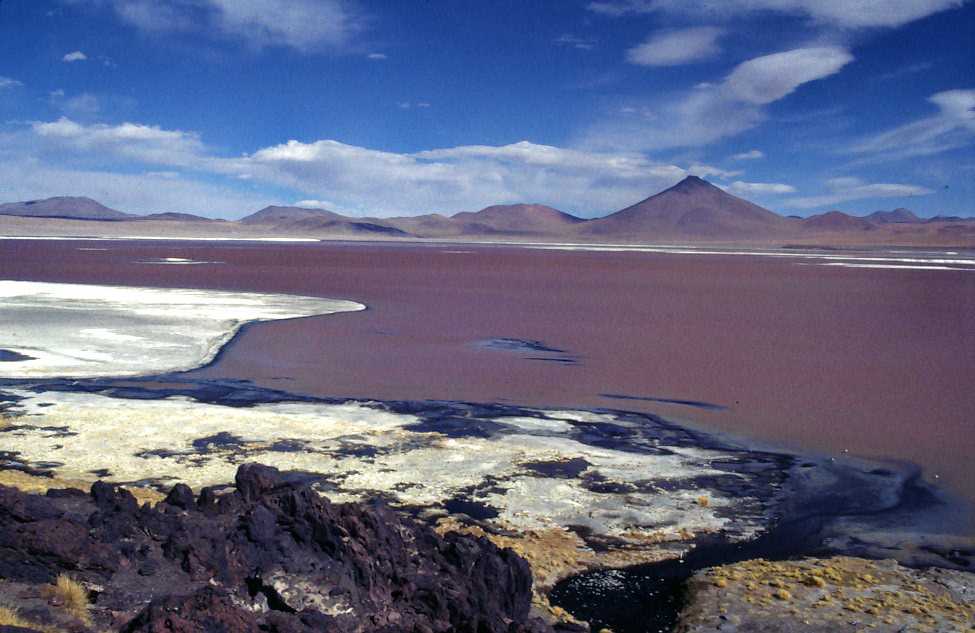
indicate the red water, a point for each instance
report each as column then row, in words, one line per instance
column 875, row 362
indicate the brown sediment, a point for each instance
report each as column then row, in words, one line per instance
column 876, row 362
column 837, row 594
column 38, row 484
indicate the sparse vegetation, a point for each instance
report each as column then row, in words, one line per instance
column 9, row 617
column 73, row 597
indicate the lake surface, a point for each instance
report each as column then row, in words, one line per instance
column 787, row 350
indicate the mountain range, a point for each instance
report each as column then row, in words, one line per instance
column 693, row 210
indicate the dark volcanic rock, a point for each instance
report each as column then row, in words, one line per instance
column 270, row 555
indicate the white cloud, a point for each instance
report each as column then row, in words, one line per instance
column 74, row 56
column 759, row 188
column 707, row 171
column 753, row 154
column 843, row 13
column 358, row 180
column 711, row 111
column 7, row 82
column 145, row 143
column 138, row 193
column 314, row 204
column 676, row 47
column 769, row 78
column 304, row 25
column 846, row 189
column 953, row 127
column 376, row 56
column 461, row 178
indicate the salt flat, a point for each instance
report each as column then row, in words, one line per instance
column 80, row 330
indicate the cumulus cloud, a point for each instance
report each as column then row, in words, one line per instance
column 144, row 143
column 74, row 56
column 842, row 13
column 304, row 25
column 7, row 82
column 846, row 189
column 135, row 192
column 364, row 181
column 676, row 47
column 712, row 111
column 759, row 188
column 951, row 128
column 753, row 154
column 461, row 178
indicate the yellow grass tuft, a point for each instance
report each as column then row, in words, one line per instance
column 9, row 617
column 73, row 596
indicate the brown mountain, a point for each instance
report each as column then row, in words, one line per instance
column 693, row 208
column 65, row 207
column 836, row 221
column 429, row 225
column 516, row 219
column 177, row 217
column 286, row 216
column 897, row 216
column 318, row 221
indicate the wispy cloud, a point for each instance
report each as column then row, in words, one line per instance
column 376, row 56
column 842, row 13
column 714, row 111
column 753, row 154
column 74, row 56
column 676, row 47
column 7, row 82
column 574, row 41
column 759, row 188
column 846, row 189
column 303, row 25
column 951, row 128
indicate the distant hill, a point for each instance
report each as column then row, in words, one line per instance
column 515, row 219
column 176, row 217
column 311, row 221
column 691, row 208
column 836, row 221
column 71, row 208
column 429, row 225
column 898, row 216
column 692, row 211
column 283, row 216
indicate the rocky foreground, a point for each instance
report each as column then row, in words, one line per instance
column 267, row 555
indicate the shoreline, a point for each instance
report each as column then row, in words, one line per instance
column 812, row 507
column 749, row 520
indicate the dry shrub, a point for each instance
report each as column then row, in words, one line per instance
column 73, row 596
column 9, row 617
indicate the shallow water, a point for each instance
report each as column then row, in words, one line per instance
column 871, row 361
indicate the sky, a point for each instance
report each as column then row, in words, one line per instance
column 382, row 108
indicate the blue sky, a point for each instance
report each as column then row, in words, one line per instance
column 378, row 108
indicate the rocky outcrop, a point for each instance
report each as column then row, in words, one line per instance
column 267, row 555
column 835, row 595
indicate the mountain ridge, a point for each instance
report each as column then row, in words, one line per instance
column 693, row 210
